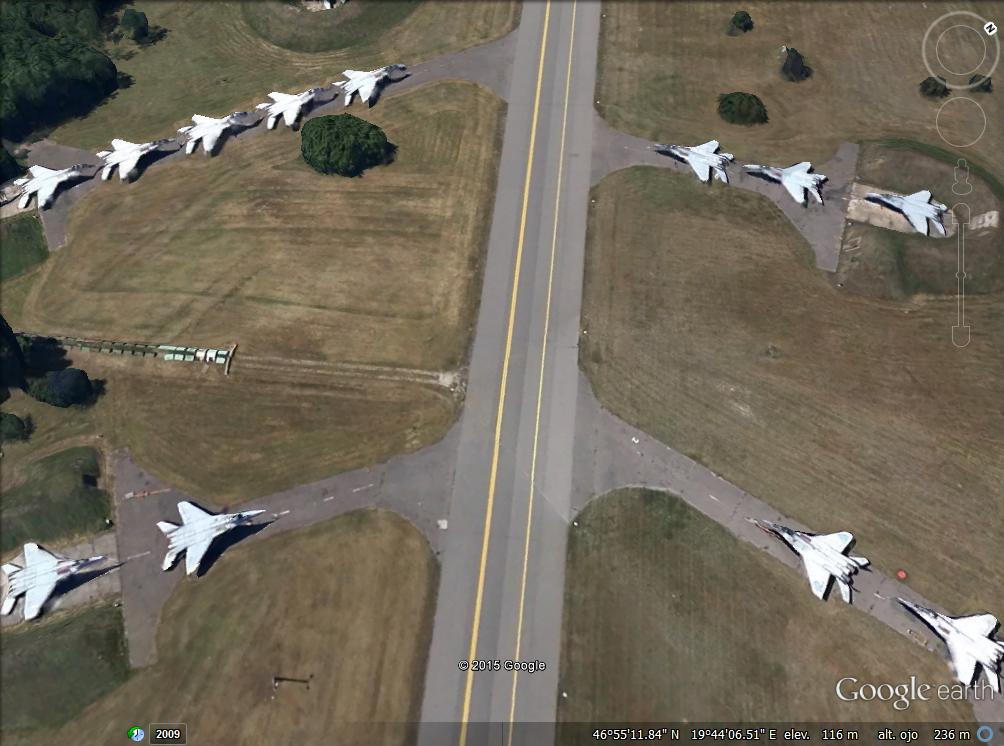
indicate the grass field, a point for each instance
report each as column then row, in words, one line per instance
column 22, row 245
column 254, row 247
column 888, row 264
column 347, row 603
column 213, row 61
column 663, row 65
column 709, row 327
column 56, row 500
column 668, row 617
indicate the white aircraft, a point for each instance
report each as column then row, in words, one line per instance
column 38, row 578
column 917, row 207
column 796, row 179
column 970, row 641
column 289, row 106
column 822, row 555
column 208, row 130
column 196, row 532
column 704, row 159
column 126, row 156
column 44, row 182
column 366, row 84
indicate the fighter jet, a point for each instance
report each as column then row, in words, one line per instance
column 38, row 578
column 208, row 130
column 126, row 156
column 822, row 555
column 704, row 159
column 196, row 532
column 796, row 179
column 970, row 641
column 366, row 84
column 918, row 208
column 44, row 182
column 289, row 106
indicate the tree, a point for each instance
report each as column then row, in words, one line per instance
column 13, row 427
column 794, row 68
column 135, row 24
column 343, row 144
column 934, row 87
column 9, row 168
column 742, row 108
column 981, row 83
column 741, row 22
column 63, row 388
column 12, row 366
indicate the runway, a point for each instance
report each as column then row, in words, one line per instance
column 503, row 573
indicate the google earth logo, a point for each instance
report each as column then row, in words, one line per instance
column 136, row 734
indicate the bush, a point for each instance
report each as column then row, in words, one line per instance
column 794, row 68
column 981, row 83
column 741, row 22
column 742, row 108
column 934, row 87
column 9, row 168
column 135, row 24
column 12, row 365
column 13, row 427
column 343, row 144
column 63, row 388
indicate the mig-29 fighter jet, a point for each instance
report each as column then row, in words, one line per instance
column 704, row 159
column 970, row 642
column 44, row 183
column 126, row 156
column 366, row 84
column 38, row 578
column 209, row 131
column 289, row 106
column 918, row 208
column 796, row 179
column 197, row 530
column 823, row 556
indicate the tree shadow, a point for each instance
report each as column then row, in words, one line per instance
column 223, row 542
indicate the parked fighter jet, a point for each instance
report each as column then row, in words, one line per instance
column 970, row 641
column 208, row 130
column 126, row 155
column 796, row 179
column 289, row 106
column 822, row 555
column 38, row 578
column 366, row 84
column 44, row 182
column 704, row 159
column 918, row 208
column 196, row 532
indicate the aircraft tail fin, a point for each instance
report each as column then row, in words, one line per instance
column 8, row 604
column 190, row 146
column 860, row 561
column 166, row 527
column 25, row 199
column 845, row 590
column 169, row 558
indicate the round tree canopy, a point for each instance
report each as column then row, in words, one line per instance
column 742, row 108
column 343, row 144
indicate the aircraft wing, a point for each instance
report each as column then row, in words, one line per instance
column 199, row 119
column 702, row 169
column 819, row 579
column 366, row 89
column 190, row 513
column 964, row 664
column 917, row 220
column 797, row 191
column 978, row 625
column 353, row 74
column 35, row 556
column 40, row 171
column 36, row 596
column 923, row 195
column 709, row 147
column 290, row 113
column 838, row 542
column 280, row 97
column 194, row 554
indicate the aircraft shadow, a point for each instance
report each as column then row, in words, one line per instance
column 148, row 160
column 225, row 541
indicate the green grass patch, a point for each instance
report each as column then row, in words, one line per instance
column 53, row 669
column 58, row 499
column 22, row 245
column 945, row 155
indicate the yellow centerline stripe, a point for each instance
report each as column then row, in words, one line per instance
column 479, row 598
column 540, row 380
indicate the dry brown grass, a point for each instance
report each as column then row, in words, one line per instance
column 709, row 327
column 347, row 602
column 213, row 62
column 254, row 247
column 670, row 618
column 663, row 66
